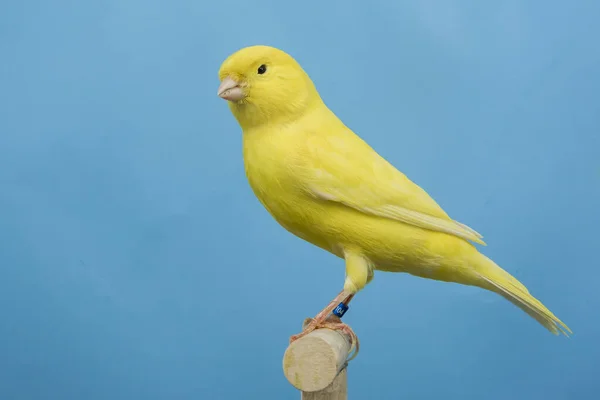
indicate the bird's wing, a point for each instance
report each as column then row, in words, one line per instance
column 345, row 169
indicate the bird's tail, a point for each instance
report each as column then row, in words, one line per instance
column 498, row 280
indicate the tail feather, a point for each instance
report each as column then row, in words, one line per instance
column 501, row 282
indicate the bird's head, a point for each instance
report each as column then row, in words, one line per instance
column 265, row 85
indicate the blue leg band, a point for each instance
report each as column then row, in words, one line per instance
column 340, row 310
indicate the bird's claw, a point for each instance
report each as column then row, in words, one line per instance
column 334, row 323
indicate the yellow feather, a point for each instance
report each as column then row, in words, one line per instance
column 324, row 184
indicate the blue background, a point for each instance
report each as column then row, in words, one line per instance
column 135, row 263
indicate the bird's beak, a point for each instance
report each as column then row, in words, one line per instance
column 230, row 89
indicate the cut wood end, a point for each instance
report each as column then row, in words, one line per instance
column 312, row 362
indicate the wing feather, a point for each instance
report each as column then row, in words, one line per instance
column 348, row 171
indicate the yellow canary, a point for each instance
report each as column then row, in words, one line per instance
column 324, row 184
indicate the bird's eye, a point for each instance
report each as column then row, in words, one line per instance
column 262, row 69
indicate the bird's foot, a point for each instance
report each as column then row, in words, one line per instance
column 342, row 298
column 325, row 319
column 309, row 325
column 334, row 323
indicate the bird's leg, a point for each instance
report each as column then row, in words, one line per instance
column 343, row 297
column 332, row 320
column 359, row 272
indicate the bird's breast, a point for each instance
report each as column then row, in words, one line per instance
column 268, row 162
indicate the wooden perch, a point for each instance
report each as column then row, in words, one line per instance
column 316, row 364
